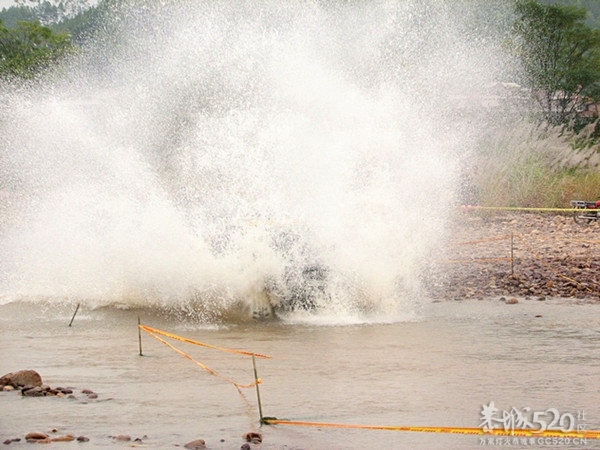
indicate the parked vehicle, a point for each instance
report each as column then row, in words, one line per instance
column 586, row 211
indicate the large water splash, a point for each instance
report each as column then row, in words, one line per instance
column 218, row 155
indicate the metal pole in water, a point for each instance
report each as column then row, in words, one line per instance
column 257, row 390
column 74, row 314
column 140, row 336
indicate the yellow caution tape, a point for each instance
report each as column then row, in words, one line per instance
column 518, row 208
column 452, row 430
column 202, row 344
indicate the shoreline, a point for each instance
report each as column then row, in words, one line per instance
column 523, row 255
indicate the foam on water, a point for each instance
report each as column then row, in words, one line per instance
column 213, row 149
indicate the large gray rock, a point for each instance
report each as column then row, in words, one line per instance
column 21, row 378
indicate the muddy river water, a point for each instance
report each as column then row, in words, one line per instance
column 439, row 368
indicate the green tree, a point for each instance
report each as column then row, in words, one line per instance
column 50, row 12
column 30, row 49
column 559, row 58
column 80, row 26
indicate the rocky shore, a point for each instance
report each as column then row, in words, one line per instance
column 529, row 255
column 29, row 383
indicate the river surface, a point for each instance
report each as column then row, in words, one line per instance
column 438, row 369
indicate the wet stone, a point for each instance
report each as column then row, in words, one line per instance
column 33, row 391
column 35, row 436
column 198, row 444
column 66, row 438
column 255, row 438
column 21, row 378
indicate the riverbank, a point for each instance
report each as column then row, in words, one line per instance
column 516, row 254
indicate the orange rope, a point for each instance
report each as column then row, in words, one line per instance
column 481, row 241
column 202, row 344
column 473, row 260
column 203, row 366
column 454, row 430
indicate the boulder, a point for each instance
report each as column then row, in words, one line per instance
column 21, row 378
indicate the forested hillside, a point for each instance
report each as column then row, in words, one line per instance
column 592, row 7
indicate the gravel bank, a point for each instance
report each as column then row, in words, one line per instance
column 552, row 256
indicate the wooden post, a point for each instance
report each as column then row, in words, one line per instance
column 512, row 258
column 140, row 336
column 74, row 314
